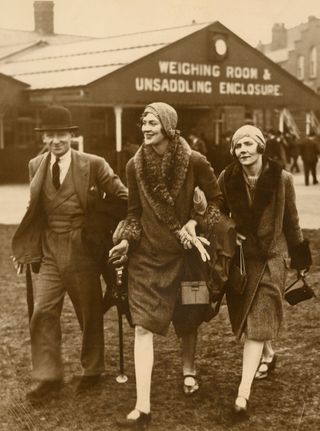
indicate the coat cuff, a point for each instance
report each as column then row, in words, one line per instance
column 300, row 255
column 207, row 220
column 129, row 229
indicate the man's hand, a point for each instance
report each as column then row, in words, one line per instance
column 17, row 265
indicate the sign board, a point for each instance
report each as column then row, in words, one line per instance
column 185, row 77
column 208, row 68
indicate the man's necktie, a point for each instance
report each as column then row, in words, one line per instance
column 56, row 173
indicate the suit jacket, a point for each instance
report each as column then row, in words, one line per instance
column 92, row 176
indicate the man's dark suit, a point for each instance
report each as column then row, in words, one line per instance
column 66, row 263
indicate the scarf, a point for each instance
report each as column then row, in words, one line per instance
column 162, row 182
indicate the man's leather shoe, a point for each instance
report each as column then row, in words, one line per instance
column 44, row 388
column 141, row 423
column 87, row 382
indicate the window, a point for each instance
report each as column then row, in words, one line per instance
column 313, row 62
column 300, row 69
column 25, row 132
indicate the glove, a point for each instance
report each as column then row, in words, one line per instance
column 198, row 242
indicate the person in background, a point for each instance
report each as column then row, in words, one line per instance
column 275, row 148
column 294, row 151
column 259, row 195
column 309, row 155
column 196, row 143
column 64, row 186
column 159, row 229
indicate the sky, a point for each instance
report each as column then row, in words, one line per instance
column 251, row 20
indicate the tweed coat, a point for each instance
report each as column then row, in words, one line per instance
column 156, row 259
column 91, row 175
column 273, row 236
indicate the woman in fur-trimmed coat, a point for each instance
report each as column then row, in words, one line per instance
column 260, row 197
column 159, row 226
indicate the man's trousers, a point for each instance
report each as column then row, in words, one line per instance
column 67, row 267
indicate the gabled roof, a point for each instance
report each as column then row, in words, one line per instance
column 13, row 43
column 14, row 81
column 15, row 37
column 8, row 51
column 79, row 64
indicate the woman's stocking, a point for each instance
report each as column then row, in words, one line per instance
column 252, row 352
column 143, row 362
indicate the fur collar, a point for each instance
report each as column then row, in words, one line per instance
column 247, row 218
column 161, row 181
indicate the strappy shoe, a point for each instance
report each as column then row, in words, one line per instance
column 265, row 368
column 190, row 384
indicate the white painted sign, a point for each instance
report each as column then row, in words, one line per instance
column 188, row 77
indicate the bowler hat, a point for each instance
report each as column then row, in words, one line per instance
column 56, row 117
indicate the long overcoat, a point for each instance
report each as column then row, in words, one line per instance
column 155, row 262
column 273, row 241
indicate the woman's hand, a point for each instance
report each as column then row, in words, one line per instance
column 301, row 273
column 120, row 249
column 188, row 232
column 190, row 227
column 189, row 239
column 240, row 238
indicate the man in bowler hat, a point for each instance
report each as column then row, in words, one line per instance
column 64, row 186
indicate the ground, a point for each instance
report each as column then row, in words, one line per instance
column 289, row 400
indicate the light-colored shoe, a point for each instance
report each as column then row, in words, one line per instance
column 241, row 407
column 190, row 384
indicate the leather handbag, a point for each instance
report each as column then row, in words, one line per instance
column 298, row 291
column 237, row 278
column 193, row 284
column 194, row 292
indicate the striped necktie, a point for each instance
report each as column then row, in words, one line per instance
column 56, row 173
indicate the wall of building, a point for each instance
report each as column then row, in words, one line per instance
column 308, row 36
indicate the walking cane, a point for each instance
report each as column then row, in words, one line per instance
column 118, row 262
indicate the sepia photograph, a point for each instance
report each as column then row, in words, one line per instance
column 159, row 215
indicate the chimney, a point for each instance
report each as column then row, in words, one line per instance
column 279, row 36
column 43, row 17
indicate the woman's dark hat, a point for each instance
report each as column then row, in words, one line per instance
column 55, row 118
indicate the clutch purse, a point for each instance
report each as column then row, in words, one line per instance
column 298, row 293
column 194, row 292
column 237, row 278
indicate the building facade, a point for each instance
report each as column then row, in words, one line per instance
column 297, row 50
column 215, row 80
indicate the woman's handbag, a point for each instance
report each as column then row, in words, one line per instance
column 237, row 278
column 295, row 294
column 194, row 292
column 193, row 286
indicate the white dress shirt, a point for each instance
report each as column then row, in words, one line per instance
column 64, row 164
